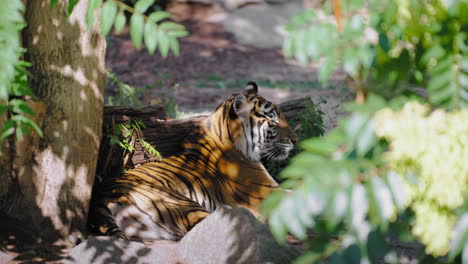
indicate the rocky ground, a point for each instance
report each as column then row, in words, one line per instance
column 226, row 236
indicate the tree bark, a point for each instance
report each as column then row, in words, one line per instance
column 49, row 179
column 166, row 136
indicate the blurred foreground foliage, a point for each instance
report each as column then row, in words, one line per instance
column 395, row 170
column 152, row 29
column 16, row 116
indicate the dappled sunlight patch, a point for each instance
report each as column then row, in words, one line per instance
column 80, row 77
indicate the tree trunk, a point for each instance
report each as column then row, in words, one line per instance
column 48, row 180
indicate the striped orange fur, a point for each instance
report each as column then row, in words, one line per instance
column 220, row 166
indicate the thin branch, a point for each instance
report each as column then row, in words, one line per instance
column 338, row 15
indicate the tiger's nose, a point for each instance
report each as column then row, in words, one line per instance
column 293, row 140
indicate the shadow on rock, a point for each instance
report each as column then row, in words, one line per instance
column 226, row 236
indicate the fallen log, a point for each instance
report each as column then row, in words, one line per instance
column 164, row 135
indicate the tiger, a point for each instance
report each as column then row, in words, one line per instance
column 220, row 166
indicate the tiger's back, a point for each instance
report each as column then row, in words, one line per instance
column 220, row 166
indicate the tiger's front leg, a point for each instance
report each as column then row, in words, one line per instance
column 254, row 203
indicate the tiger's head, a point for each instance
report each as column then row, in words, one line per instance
column 255, row 126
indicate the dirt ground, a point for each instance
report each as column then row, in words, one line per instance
column 211, row 66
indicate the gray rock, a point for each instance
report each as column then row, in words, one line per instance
column 116, row 250
column 261, row 25
column 5, row 257
column 226, row 236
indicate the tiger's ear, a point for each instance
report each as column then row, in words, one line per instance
column 238, row 105
column 251, row 88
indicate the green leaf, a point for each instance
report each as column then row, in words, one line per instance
column 177, row 33
column 310, row 15
column 53, row 3
column 20, row 131
column 376, row 245
column 337, row 209
column 272, row 202
column 24, row 120
column 166, row 26
column 354, row 125
column 113, row 140
column 366, row 139
column 19, row 106
column 3, row 92
column 351, row 61
column 328, row 67
column 278, row 229
column 3, row 108
column 163, row 42
column 289, row 215
column 460, row 237
column 155, row 17
column 304, row 215
column 440, row 97
column 143, row 5
column 374, row 103
column 288, row 47
column 8, row 129
column 90, row 12
column 398, row 189
column 136, row 29
column 382, row 200
column 443, row 65
column 464, row 62
column 11, row 23
column 151, row 37
column 300, row 49
column 465, row 255
column 440, row 80
column 352, row 255
column 108, row 13
column 359, row 207
column 71, row 5
column 435, row 52
column 337, row 258
column 299, row 20
column 321, row 146
column 119, row 22
column 174, row 46
column 150, row 149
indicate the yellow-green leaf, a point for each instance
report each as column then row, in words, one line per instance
column 143, row 5
column 108, row 13
column 151, row 37
column 90, row 12
column 158, row 16
column 136, row 29
column 119, row 22
column 163, row 42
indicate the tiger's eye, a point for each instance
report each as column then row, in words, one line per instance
column 273, row 123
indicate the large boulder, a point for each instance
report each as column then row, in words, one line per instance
column 226, row 236
column 233, row 236
column 261, row 25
